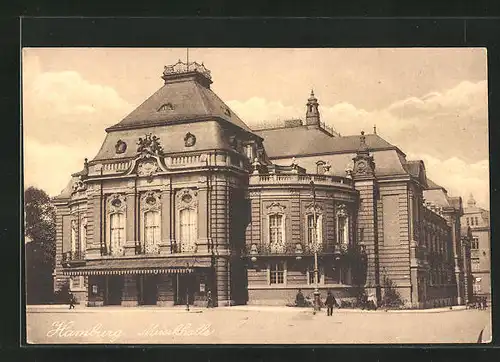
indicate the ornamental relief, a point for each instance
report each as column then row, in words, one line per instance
column 116, row 203
column 148, row 168
column 276, row 207
column 341, row 210
column 150, row 201
column 78, row 186
column 186, row 199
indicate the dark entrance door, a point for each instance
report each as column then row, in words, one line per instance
column 148, row 289
column 185, row 288
column 114, row 290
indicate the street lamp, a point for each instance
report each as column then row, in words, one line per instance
column 315, row 246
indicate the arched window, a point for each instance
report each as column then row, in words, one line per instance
column 117, row 233
column 188, row 229
column 320, row 167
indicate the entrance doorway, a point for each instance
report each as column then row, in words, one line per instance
column 148, row 289
column 114, row 286
column 185, row 288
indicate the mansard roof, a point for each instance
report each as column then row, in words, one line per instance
column 304, row 141
column 186, row 99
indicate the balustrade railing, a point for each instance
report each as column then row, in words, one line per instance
column 73, row 255
column 299, row 179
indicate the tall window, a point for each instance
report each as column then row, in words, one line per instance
column 320, row 167
column 468, row 222
column 276, row 229
column 188, row 229
column 311, row 226
column 117, row 232
column 151, row 230
column 475, row 243
column 277, row 273
column 249, row 152
column 74, row 232
column 83, row 235
column 476, row 221
column 342, row 230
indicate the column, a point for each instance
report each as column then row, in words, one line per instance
column 94, row 226
column 129, row 294
column 165, row 290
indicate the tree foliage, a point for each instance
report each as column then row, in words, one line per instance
column 40, row 223
column 40, row 230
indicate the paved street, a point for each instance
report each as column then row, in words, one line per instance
column 254, row 325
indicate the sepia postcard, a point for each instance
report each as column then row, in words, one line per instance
column 256, row 196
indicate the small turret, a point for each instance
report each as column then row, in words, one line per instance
column 312, row 114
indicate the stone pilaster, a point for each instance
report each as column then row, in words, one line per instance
column 129, row 294
column 130, row 219
column 203, row 243
column 222, row 282
column 166, row 221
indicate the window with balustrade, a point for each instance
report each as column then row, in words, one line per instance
column 117, row 233
column 277, row 273
column 276, row 227
column 314, row 228
column 115, row 221
column 151, row 222
column 187, row 220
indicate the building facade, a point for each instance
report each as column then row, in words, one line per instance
column 478, row 219
column 183, row 197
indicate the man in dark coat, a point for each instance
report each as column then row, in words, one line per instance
column 299, row 299
column 209, row 299
column 330, row 302
column 72, row 301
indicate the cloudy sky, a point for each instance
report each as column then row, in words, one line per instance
column 432, row 103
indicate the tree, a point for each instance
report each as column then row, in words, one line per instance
column 40, row 230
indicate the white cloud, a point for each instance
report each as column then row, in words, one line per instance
column 452, row 126
column 459, row 177
column 64, row 117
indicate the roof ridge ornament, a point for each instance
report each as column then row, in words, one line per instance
column 186, row 67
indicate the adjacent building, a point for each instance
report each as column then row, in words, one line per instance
column 478, row 219
column 183, row 197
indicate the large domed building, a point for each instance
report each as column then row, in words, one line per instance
column 183, row 197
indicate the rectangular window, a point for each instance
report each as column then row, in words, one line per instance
column 467, row 219
column 276, row 229
column 152, row 227
column 188, row 229
column 117, row 230
column 311, row 226
column 310, row 276
column 475, row 243
column 277, row 273
column 476, row 221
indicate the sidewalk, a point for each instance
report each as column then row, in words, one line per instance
column 63, row 308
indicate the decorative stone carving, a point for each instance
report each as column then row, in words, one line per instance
column 276, row 207
column 147, row 168
column 341, row 210
column 189, row 140
column 149, row 145
column 120, row 147
column 150, row 201
column 116, row 203
column 79, row 185
column 187, row 198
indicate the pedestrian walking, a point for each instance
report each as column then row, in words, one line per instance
column 330, row 302
column 72, row 301
column 209, row 299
